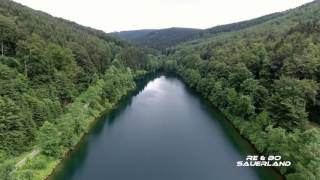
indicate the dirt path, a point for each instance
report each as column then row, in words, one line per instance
column 29, row 156
column 35, row 152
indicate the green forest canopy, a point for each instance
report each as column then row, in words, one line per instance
column 262, row 74
column 45, row 64
column 264, row 78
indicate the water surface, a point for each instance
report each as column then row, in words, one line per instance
column 164, row 132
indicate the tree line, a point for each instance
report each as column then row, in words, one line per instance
column 266, row 81
column 55, row 76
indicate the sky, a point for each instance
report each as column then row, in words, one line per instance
column 119, row 15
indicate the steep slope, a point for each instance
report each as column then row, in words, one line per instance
column 55, row 77
column 239, row 25
column 265, row 79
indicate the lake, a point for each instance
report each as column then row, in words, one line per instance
column 163, row 132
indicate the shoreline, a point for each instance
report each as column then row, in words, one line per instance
column 43, row 166
column 228, row 120
column 140, row 81
column 58, row 164
column 66, row 154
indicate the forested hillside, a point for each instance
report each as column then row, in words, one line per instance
column 57, row 77
column 166, row 38
column 239, row 25
column 159, row 39
column 133, row 35
column 50, row 69
column 265, row 79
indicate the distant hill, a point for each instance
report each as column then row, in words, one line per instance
column 240, row 25
column 134, row 35
column 163, row 38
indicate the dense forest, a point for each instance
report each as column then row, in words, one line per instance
column 161, row 39
column 57, row 77
column 265, row 79
column 50, row 70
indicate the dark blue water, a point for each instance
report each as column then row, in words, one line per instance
column 163, row 133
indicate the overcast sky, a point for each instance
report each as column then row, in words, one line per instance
column 117, row 15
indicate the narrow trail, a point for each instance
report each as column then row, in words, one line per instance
column 35, row 152
column 31, row 155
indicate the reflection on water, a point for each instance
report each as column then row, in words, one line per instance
column 163, row 132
